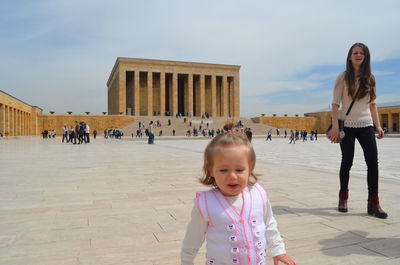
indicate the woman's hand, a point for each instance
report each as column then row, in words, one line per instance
column 334, row 134
column 380, row 132
column 285, row 259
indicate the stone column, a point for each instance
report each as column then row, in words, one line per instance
column 390, row 122
column 137, row 93
column 10, row 121
column 29, row 124
column 16, row 122
column 174, row 94
column 11, row 131
column 213, row 96
column 21, row 113
column 162, row 93
column 150, row 94
column 225, row 99
column 122, row 92
column 19, row 123
column 3, row 119
column 7, row 127
column 26, row 124
column 202, row 94
column 189, row 95
column 230, row 94
column 236, row 97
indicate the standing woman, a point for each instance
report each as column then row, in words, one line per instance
column 357, row 83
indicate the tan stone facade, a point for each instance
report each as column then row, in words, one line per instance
column 95, row 122
column 294, row 123
column 144, row 87
column 388, row 115
column 18, row 118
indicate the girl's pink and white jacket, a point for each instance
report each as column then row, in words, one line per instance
column 238, row 229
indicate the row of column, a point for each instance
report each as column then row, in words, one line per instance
column 202, row 94
column 14, row 122
column 393, row 121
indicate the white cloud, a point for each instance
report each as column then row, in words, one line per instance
column 382, row 73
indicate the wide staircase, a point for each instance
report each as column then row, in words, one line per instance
column 181, row 127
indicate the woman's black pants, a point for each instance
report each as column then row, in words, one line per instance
column 366, row 138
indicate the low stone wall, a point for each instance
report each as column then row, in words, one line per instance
column 295, row 123
column 95, row 122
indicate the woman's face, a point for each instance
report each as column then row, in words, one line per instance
column 357, row 56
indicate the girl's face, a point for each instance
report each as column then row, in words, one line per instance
column 357, row 56
column 231, row 170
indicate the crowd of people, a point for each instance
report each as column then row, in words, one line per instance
column 78, row 134
column 113, row 133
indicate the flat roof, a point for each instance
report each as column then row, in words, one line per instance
column 168, row 62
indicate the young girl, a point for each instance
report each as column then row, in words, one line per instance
column 357, row 84
column 235, row 217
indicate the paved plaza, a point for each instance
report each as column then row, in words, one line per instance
column 126, row 202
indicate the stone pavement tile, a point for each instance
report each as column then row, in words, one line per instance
column 294, row 232
column 325, row 241
column 54, row 250
column 100, row 241
column 167, row 252
column 390, row 262
column 23, row 260
column 170, row 236
column 389, row 247
column 379, row 231
column 354, row 222
column 298, row 221
column 349, row 255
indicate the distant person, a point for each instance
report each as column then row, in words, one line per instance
column 64, row 130
column 249, row 134
column 87, row 132
column 269, row 135
column 229, row 161
column 94, row 133
column 292, row 137
column 76, row 133
column 357, row 84
column 150, row 133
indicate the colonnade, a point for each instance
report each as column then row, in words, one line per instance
column 147, row 93
column 390, row 120
column 147, row 87
column 14, row 122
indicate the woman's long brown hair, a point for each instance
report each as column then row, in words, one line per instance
column 367, row 81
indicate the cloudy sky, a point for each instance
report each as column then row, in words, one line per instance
column 58, row 54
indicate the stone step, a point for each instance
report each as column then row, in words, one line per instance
column 182, row 125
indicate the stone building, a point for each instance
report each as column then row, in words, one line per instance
column 144, row 87
column 388, row 116
column 18, row 118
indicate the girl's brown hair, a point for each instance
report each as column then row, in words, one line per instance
column 226, row 140
column 367, row 80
